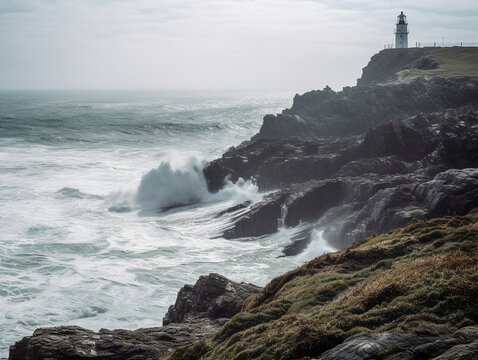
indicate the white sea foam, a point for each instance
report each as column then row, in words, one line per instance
column 64, row 259
column 318, row 246
column 166, row 187
column 179, row 181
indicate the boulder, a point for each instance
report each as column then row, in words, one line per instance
column 389, row 345
column 212, row 297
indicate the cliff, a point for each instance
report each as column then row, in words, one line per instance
column 351, row 187
column 396, row 84
column 407, row 294
column 399, row 146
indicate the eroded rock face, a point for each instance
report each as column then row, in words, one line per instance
column 395, row 345
column 199, row 311
column 212, row 297
column 354, row 110
column 420, row 167
column 452, row 191
column 384, row 66
column 74, row 342
column 382, row 94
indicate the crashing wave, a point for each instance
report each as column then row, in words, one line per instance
column 166, row 187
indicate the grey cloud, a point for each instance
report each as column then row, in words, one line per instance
column 288, row 44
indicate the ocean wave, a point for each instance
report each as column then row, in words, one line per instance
column 68, row 192
column 165, row 187
column 179, row 181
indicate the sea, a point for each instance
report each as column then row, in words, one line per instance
column 104, row 210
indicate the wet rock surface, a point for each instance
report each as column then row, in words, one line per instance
column 212, row 297
column 394, row 345
column 402, row 144
column 73, row 342
column 420, row 167
column 199, row 311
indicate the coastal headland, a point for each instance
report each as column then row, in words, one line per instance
column 388, row 169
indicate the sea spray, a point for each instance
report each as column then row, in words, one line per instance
column 283, row 214
column 166, row 187
column 318, row 246
column 237, row 192
column 179, row 181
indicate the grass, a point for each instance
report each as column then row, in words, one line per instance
column 454, row 61
column 419, row 279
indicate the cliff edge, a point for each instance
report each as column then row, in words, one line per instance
column 402, row 144
column 396, row 84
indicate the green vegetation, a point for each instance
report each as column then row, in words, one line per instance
column 419, row 279
column 454, row 61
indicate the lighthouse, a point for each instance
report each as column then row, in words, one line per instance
column 401, row 32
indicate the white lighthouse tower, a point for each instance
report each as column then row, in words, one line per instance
column 401, row 33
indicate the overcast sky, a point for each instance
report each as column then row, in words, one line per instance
column 229, row 44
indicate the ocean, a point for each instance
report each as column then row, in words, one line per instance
column 104, row 211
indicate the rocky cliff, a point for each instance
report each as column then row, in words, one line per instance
column 351, row 187
column 396, row 84
column 402, row 144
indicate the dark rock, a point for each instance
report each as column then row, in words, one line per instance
column 217, row 175
column 310, row 200
column 467, row 334
column 388, row 345
column 460, row 352
column 278, row 163
column 356, row 110
column 73, row 342
column 383, row 141
column 212, row 297
column 454, row 191
column 355, row 186
column 199, row 311
column 385, row 65
column 261, row 219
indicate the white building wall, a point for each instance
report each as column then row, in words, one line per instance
column 401, row 36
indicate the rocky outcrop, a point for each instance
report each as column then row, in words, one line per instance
column 279, row 163
column 385, row 66
column 74, row 342
column 212, row 297
column 394, row 345
column 198, row 312
column 365, row 159
column 396, row 84
column 452, row 191
column 354, row 110
column 420, row 167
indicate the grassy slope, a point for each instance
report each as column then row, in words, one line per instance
column 421, row 279
column 455, row 61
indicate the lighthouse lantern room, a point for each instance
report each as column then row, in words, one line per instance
column 401, row 32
